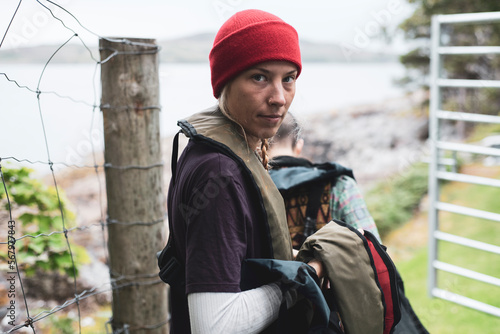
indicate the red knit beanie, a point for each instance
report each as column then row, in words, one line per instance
column 247, row 38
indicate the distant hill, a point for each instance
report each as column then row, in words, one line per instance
column 193, row 48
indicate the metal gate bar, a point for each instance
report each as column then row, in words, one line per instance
column 438, row 146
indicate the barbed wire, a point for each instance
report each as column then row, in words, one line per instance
column 102, row 107
column 84, row 295
column 107, row 106
column 116, row 40
column 10, row 22
column 95, row 166
column 106, row 223
column 61, row 211
column 65, row 26
column 116, row 280
column 38, row 92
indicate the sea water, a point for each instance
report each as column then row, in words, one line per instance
column 63, row 123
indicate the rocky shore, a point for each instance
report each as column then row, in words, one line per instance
column 375, row 140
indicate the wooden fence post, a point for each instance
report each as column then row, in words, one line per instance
column 134, row 183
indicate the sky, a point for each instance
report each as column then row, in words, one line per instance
column 354, row 23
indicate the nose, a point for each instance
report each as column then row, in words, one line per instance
column 277, row 94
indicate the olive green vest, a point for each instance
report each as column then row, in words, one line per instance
column 212, row 127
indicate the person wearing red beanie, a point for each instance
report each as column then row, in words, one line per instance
column 223, row 207
column 247, row 38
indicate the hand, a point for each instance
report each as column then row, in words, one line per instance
column 318, row 266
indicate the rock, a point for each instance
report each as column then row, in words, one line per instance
column 373, row 140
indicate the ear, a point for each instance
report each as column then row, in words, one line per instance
column 298, row 147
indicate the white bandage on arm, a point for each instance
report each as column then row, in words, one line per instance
column 241, row 312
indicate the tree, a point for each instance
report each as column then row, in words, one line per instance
column 417, row 29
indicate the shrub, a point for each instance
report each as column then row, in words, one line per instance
column 393, row 202
column 40, row 212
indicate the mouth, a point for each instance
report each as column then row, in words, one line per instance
column 273, row 118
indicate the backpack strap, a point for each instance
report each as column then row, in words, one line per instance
column 175, row 154
column 313, row 204
column 387, row 279
column 171, row 270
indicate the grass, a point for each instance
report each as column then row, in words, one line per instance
column 441, row 316
column 483, row 130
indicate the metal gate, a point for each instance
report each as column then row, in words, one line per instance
column 439, row 145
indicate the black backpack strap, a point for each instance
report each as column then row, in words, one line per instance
column 171, row 270
column 313, row 205
column 409, row 323
column 175, row 154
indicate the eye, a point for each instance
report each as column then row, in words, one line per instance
column 258, row 77
column 289, row 79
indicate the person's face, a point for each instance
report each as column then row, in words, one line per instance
column 259, row 98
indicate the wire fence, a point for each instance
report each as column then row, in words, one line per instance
column 32, row 314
